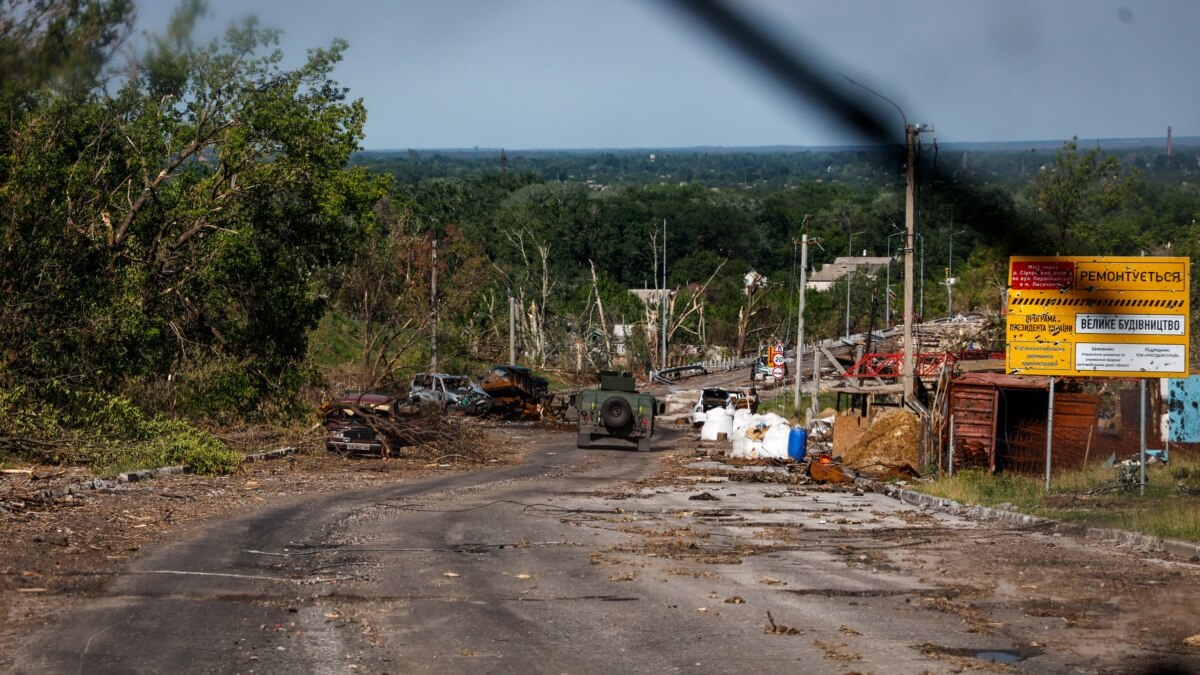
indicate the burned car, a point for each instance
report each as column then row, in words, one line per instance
column 515, row 391
column 474, row 401
column 361, row 424
column 438, row 391
column 616, row 410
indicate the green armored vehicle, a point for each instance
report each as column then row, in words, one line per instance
column 616, row 410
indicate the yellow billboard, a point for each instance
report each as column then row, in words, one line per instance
column 1098, row 316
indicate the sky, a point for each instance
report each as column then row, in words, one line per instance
column 574, row 74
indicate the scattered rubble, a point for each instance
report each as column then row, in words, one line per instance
column 825, row 470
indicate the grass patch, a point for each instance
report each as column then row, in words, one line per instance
column 977, row 487
column 1097, row 497
column 780, row 403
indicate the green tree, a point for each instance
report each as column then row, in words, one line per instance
column 171, row 220
column 1077, row 192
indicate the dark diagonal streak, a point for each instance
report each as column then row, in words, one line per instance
column 800, row 79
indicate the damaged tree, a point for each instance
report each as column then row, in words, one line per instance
column 169, row 223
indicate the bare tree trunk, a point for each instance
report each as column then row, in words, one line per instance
column 600, row 309
column 745, row 315
column 741, row 338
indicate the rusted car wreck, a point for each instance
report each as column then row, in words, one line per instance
column 515, row 391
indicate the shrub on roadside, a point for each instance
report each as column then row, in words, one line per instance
column 64, row 425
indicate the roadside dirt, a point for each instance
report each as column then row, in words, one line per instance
column 60, row 551
column 1103, row 607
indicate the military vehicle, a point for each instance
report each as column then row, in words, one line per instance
column 616, row 410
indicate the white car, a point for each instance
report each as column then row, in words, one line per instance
column 709, row 399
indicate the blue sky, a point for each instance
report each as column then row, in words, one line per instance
column 525, row 74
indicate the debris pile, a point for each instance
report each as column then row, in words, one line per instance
column 824, row 470
column 889, row 448
column 961, row 332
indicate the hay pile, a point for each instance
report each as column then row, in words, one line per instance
column 889, row 447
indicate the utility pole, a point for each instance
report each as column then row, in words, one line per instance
column 800, row 314
column 849, row 254
column 950, row 276
column 910, row 228
column 911, row 133
column 433, row 325
column 666, row 318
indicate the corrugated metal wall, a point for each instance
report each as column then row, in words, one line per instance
column 973, row 409
column 1017, row 442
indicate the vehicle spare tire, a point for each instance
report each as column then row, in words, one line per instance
column 615, row 412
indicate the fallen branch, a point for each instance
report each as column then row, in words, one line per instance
column 773, row 628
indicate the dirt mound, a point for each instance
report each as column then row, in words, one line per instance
column 891, row 444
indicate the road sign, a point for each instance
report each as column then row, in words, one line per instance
column 777, row 371
column 777, row 360
column 1098, row 316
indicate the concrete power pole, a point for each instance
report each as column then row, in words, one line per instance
column 910, row 229
column 911, row 133
column 664, row 319
column 800, row 314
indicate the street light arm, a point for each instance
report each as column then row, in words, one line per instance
column 856, row 83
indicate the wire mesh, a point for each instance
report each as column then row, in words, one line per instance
column 1024, row 450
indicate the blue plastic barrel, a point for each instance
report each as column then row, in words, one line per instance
column 797, row 443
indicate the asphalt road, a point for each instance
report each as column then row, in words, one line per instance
column 583, row 561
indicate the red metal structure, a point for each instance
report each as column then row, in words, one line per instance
column 927, row 365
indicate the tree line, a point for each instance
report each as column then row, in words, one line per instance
column 193, row 232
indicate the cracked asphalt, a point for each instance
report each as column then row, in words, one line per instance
column 607, row 560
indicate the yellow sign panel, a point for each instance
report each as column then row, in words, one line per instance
column 1103, row 316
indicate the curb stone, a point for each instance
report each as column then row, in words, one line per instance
column 1181, row 549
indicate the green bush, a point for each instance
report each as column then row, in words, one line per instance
column 110, row 433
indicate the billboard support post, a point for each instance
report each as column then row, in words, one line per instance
column 1142, row 435
column 1049, row 432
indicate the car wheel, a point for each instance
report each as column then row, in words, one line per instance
column 615, row 412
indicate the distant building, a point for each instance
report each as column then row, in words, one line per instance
column 652, row 297
column 621, row 333
column 824, row 278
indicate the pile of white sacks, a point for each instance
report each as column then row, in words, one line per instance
column 752, row 436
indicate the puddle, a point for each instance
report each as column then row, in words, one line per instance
column 1007, row 656
column 999, row 657
column 947, row 593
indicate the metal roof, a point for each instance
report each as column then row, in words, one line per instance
column 1004, row 380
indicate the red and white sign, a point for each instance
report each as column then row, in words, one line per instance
column 1047, row 275
column 777, row 371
